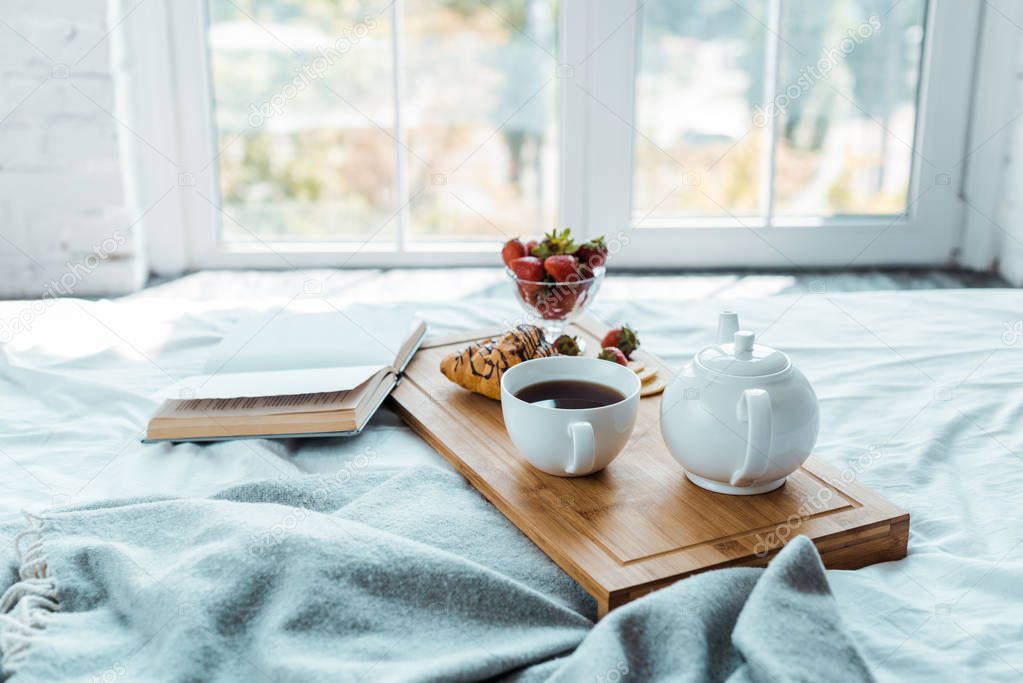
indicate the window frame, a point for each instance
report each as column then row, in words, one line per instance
column 192, row 95
column 598, row 42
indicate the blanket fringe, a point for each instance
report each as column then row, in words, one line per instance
column 27, row 604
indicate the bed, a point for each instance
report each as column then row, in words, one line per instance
column 921, row 396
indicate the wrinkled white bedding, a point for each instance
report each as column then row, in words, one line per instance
column 921, row 395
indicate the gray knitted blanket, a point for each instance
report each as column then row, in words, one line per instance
column 378, row 574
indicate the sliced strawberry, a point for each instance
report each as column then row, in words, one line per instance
column 512, row 250
column 528, row 268
column 614, row 355
column 563, row 268
column 624, row 338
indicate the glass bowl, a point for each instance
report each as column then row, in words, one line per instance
column 553, row 305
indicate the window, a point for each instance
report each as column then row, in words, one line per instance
column 346, row 120
column 693, row 132
column 835, row 138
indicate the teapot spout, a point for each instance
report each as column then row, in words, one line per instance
column 728, row 325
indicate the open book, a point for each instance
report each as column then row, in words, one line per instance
column 288, row 374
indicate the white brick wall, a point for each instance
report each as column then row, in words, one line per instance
column 66, row 213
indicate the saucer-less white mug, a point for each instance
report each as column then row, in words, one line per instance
column 569, row 442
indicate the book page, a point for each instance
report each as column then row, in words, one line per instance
column 360, row 335
column 267, row 405
column 274, row 383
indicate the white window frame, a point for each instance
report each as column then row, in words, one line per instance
column 598, row 43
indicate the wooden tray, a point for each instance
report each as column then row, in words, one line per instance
column 640, row 525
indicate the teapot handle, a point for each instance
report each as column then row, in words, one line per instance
column 754, row 408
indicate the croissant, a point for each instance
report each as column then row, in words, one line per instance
column 479, row 366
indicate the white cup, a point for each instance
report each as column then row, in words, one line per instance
column 569, row 442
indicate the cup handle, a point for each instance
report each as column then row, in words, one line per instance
column 584, row 452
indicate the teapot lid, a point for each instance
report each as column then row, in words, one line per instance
column 743, row 357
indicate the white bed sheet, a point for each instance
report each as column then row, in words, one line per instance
column 921, row 395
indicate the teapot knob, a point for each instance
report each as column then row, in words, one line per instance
column 743, row 343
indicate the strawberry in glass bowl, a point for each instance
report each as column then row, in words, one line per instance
column 554, row 280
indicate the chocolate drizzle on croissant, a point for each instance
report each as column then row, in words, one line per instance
column 479, row 366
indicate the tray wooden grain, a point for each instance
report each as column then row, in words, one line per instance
column 640, row 525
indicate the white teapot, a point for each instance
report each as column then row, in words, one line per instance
column 739, row 417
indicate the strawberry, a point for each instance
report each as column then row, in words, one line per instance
column 512, row 250
column 554, row 303
column 567, row 345
column 555, row 243
column 592, row 255
column 528, row 292
column 562, row 267
column 613, row 354
column 548, row 305
column 530, row 246
column 567, row 297
column 624, row 338
column 528, row 268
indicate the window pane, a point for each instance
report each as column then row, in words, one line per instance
column 701, row 73
column 305, row 117
column 481, row 117
column 846, row 106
